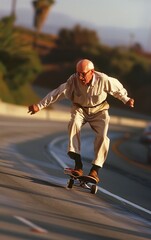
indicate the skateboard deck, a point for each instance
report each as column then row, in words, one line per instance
column 85, row 181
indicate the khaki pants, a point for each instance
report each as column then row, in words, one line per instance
column 99, row 122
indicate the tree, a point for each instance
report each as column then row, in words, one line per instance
column 78, row 37
column 13, row 11
column 21, row 64
column 41, row 8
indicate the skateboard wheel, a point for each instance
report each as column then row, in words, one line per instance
column 94, row 189
column 70, row 183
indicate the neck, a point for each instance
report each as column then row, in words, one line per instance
column 89, row 83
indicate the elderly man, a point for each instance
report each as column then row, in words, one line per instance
column 87, row 89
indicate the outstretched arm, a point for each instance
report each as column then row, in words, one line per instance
column 64, row 90
column 48, row 99
column 116, row 89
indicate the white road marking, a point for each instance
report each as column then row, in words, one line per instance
column 51, row 149
column 33, row 226
column 124, row 200
column 62, row 164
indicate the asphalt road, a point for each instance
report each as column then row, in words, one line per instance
column 34, row 201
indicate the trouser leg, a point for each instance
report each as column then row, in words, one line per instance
column 100, row 125
column 74, row 129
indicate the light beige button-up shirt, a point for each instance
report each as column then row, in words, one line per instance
column 86, row 96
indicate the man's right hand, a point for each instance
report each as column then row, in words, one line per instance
column 33, row 109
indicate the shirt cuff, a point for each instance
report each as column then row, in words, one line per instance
column 125, row 99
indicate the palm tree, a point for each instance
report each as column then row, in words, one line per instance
column 13, row 11
column 41, row 8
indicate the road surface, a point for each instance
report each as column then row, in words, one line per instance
column 34, row 201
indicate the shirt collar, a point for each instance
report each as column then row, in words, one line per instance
column 93, row 80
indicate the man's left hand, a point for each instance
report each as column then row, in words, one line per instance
column 130, row 102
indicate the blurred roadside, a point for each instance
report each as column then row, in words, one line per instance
column 61, row 112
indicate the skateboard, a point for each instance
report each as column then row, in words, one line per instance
column 84, row 181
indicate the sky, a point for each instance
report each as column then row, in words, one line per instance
column 120, row 13
column 125, row 14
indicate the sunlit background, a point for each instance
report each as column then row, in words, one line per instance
column 47, row 37
column 116, row 21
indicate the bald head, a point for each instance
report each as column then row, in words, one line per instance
column 84, row 65
column 85, row 70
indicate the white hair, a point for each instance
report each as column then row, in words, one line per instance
column 86, row 64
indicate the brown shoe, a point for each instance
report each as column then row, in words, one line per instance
column 94, row 174
column 77, row 172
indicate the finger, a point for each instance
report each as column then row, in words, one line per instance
column 29, row 111
column 32, row 112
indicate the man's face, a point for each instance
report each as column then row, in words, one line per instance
column 85, row 76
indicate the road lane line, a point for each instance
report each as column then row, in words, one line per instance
column 53, row 153
column 33, row 226
column 124, row 200
column 62, row 164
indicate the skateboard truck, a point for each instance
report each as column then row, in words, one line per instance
column 85, row 181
